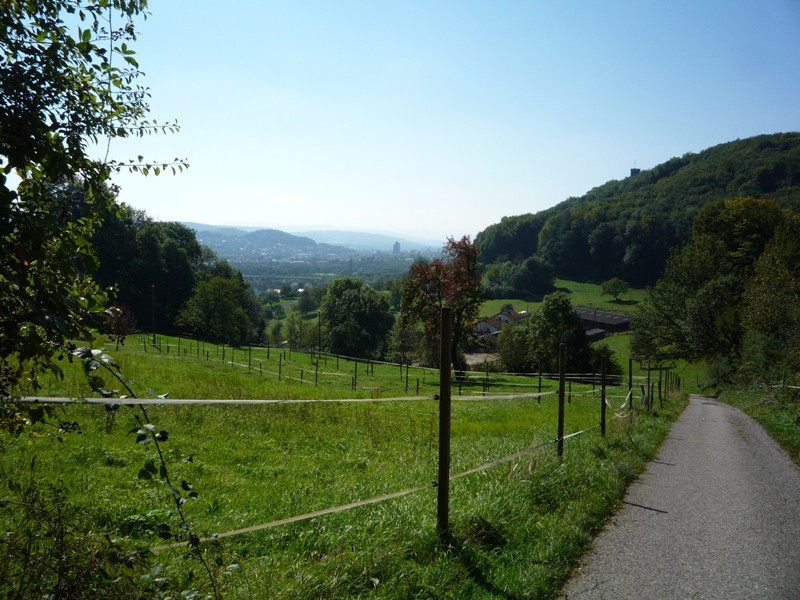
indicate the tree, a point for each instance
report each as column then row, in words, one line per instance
column 67, row 80
column 357, row 319
column 699, row 310
column 533, row 277
column 219, row 310
column 534, row 344
column 771, row 308
column 614, row 287
column 450, row 281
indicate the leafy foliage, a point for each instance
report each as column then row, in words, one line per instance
column 728, row 296
column 357, row 319
column 60, row 91
column 219, row 310
column 628, row 228
column 614, row 287
column 432, row 284
column 534, row 344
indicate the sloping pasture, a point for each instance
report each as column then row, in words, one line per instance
column 519, row 518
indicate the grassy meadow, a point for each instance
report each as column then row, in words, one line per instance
column 581, row 294
column 517, row 528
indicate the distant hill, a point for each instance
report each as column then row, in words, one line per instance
column 243, row 244
column 247, row 245
column 627, row 228
column 359, row 240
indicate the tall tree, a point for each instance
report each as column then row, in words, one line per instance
column 534, row 344
column 451, row 281
column 771, row 308
column 67, row 79
column 357, row 319
column 696, row 310
column 219, row 309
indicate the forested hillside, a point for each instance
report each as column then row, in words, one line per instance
column 627, row 228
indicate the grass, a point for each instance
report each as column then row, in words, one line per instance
column 589, row 295
column 581, row 294
column 776, row 409
column 517, row 529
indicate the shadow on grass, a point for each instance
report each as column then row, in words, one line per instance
column 626, row 302
column 469, row 558
column 463, row 550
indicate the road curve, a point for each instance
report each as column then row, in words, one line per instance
column 716, row 515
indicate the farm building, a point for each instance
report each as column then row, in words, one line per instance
column 598, row 322
column 492, row 325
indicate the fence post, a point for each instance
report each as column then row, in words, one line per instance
column 562, row 359
column 539, row 398
column 443, row 481
column 603, row 397
column 630, row 383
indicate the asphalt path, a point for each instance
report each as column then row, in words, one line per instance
column 716, row 515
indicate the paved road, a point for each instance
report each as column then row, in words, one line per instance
column 716, row 515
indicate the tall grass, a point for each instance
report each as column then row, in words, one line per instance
column 517, row 528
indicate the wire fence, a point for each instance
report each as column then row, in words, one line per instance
column 601, row 383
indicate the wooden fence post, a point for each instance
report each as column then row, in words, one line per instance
column 443, row 481
column 539, row 398
column 603, row 397
column 630, row 383
column 562, row 360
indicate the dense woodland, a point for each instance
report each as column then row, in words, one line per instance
column 628, row 228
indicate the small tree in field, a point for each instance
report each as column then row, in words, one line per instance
column 450, row 281
column 614, row 287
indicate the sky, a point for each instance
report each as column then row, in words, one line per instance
column 430, row 119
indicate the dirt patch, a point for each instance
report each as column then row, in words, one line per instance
column 479, row 358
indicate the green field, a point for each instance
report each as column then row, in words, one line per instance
column 581, row 294
column 517, row 527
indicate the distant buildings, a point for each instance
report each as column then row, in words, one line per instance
column 596, row 323
column 493, row 325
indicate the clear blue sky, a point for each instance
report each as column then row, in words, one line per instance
column 433, row 119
